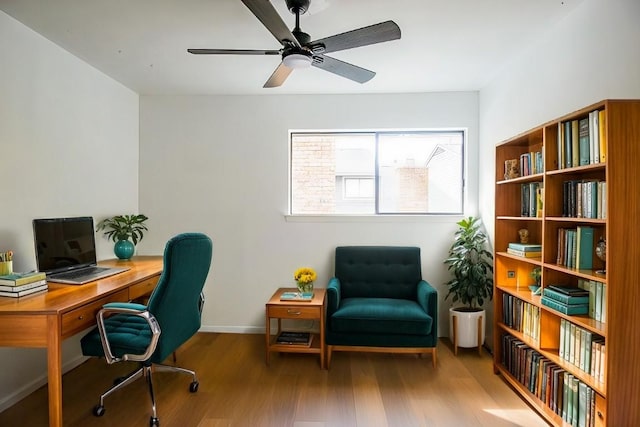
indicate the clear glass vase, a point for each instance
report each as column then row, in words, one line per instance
column 305, row 287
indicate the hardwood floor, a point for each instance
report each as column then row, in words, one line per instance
column 238, row 389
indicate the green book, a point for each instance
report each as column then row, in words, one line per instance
column 569, row 309
column 583, row 134
column 582, row 404
column 574, row 396
column 566, row 299
column 565, row 397
column 584, row 247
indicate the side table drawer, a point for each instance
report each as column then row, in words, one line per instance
column 143, row 288
column 295, row 312
column 83, row 317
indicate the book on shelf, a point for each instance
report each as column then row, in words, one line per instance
column 17, row 279
column 585, row 154
column 296, row 296
column 17, row 294
column 564, row 298
column 569, row 309
column 24, row 287
column 524, row 253
column 294, row 338
column 527, row 247
column 584, row 247
column 575, row 143
column 602, row 136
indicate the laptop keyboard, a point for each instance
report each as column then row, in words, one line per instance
column 85, row 272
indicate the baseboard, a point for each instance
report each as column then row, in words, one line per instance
column 34, row 385
column 234, row 329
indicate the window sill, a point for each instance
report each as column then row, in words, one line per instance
column 376, row 218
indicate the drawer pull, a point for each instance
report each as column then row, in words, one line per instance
column 81, row 317
column 600, row 415
column 294, row 312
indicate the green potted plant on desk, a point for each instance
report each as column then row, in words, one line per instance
column 126, row 231
column 472, row 283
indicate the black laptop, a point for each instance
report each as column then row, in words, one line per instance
column 66, row 250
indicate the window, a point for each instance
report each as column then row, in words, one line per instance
column 369, row 173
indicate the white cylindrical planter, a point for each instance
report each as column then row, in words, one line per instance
column 467, row 328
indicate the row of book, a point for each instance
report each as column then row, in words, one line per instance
column 521, row 316
column 532, row 196
column 582, row 141
column 558, row 389
column 584, row 199
column 597, row 298
column 575, row 247
column 531, row 163
column 583, row 349
column 16, row 285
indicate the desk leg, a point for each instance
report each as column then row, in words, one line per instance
column 267, row 335
column 54, row 368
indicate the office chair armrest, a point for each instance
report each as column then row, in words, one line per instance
column 131, row 309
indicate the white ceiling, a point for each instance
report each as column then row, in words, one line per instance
column 446, row 45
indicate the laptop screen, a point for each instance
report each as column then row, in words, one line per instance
column 64, row 244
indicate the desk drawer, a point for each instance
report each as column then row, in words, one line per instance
column 143, row 288
column 85, row 316
column 294, row 312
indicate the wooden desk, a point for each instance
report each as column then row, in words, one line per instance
column 311, row 310
column 43, row 320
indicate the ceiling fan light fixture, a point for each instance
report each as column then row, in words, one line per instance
column 297, row 60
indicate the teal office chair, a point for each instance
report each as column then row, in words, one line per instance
column 149, row 334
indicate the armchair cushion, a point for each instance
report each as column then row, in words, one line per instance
column 381, row 316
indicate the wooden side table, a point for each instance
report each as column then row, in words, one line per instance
column 311, row 310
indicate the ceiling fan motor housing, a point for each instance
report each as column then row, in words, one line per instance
column 298, row 6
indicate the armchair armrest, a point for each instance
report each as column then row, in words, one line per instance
column 333, row 296
column 132, row 309
column 428, row 299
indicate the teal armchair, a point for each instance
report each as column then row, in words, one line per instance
column 378, row 302
column 150, row 333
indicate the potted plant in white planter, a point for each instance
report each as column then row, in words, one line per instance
column 126, row 231
column 472, row 282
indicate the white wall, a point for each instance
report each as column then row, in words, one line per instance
column 68, row 146
column 592, row 54
column 220, row 165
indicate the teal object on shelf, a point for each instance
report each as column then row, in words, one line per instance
column 124, row 249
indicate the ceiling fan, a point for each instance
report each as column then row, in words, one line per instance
column 298, row 51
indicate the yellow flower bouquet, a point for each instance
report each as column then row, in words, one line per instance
column 304, row 277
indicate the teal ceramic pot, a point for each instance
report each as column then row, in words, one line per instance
column 124, row 249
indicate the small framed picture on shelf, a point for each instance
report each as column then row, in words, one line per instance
column 511, row 169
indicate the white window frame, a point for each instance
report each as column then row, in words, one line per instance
column 381, row 217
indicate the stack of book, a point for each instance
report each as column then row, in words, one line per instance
column 20, row 284
column 528, row 250
column 294, row 338
column 566, row 299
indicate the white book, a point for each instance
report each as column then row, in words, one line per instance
column 563, row 325
column 603, row 309
column 596, row 137
column 603, row 362
column 598, row 302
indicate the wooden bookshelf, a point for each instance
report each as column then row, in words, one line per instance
column 616, row 397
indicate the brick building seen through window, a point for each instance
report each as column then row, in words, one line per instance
column 369, row 173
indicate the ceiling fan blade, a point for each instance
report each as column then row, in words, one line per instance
column 344, row 69
column 279, row 76
column 232, row 52
column 377, row 33
column 266, row 13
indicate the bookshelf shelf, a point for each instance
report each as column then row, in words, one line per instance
column 595, row 188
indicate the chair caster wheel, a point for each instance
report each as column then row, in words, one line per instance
column 98, row 410
column 193, row 387
column 154, row 422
